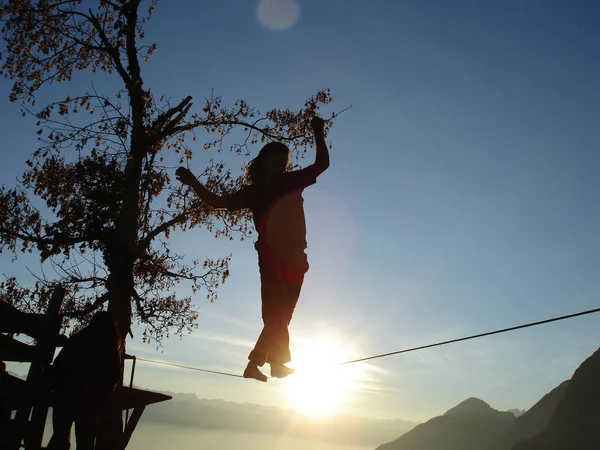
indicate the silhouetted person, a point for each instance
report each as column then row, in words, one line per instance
column 87, row 369
column 274, row 196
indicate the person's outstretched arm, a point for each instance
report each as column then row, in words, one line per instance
column 322, row 158
column 213, row 200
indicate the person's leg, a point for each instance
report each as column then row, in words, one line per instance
column 85, row 431
column 269, row 291
column 257, row 358
column 279, row 295
column 109, row 434
column 62, row 421
column 280, row 348
column 258, row 355
column 86, row 419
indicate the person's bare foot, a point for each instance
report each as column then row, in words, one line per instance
column 252, row 371
column 281, row 371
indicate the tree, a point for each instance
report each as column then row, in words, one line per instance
column 109, row 203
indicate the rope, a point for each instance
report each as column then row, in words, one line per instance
column 190, row 368
column 407, row 350
column 475, row 336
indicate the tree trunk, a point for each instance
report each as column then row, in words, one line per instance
column 120, row 286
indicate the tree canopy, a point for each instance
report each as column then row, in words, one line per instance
column 109, row 202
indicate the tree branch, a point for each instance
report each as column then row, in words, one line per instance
column 43, row 241
column 138, row 304
column 90, row 308
column 110, row 49
column 145, row 243
column 163, row 131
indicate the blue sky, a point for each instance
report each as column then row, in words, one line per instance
column 462, row 193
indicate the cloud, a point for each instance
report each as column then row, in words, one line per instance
column 373, row 368
column 222, row 339
column 162, row 364
column 278, row 15
column 244, row 324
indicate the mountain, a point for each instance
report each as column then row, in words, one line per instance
column 188, row 410
column 534, row 420
column 471, row 425
column 517, row 412
column 470, row 407
column 575, row 424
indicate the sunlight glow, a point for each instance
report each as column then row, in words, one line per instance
column 320, row 387
column 278, row 15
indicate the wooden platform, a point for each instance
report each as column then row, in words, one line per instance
column 31, row 398
column 17, row 392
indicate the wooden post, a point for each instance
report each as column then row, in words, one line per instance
column 38, row 377
column 131, row 424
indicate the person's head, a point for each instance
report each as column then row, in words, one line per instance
column 272, row 160
column 103, row 324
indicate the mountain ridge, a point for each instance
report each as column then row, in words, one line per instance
column 472, row 424
column 567, row 417
column 575, row 423
column 534, row 420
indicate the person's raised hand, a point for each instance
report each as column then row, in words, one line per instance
column 317, row 124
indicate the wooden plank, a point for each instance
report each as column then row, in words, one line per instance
column 131, row 424
column 14, row 321
column 13, row 350
column 127, row 398
column 130, row 398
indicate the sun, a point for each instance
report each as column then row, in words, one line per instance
column 320, row 387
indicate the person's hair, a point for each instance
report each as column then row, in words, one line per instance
column 103, row 324
column 254, row 170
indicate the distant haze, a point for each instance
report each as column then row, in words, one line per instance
column 188, row 410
